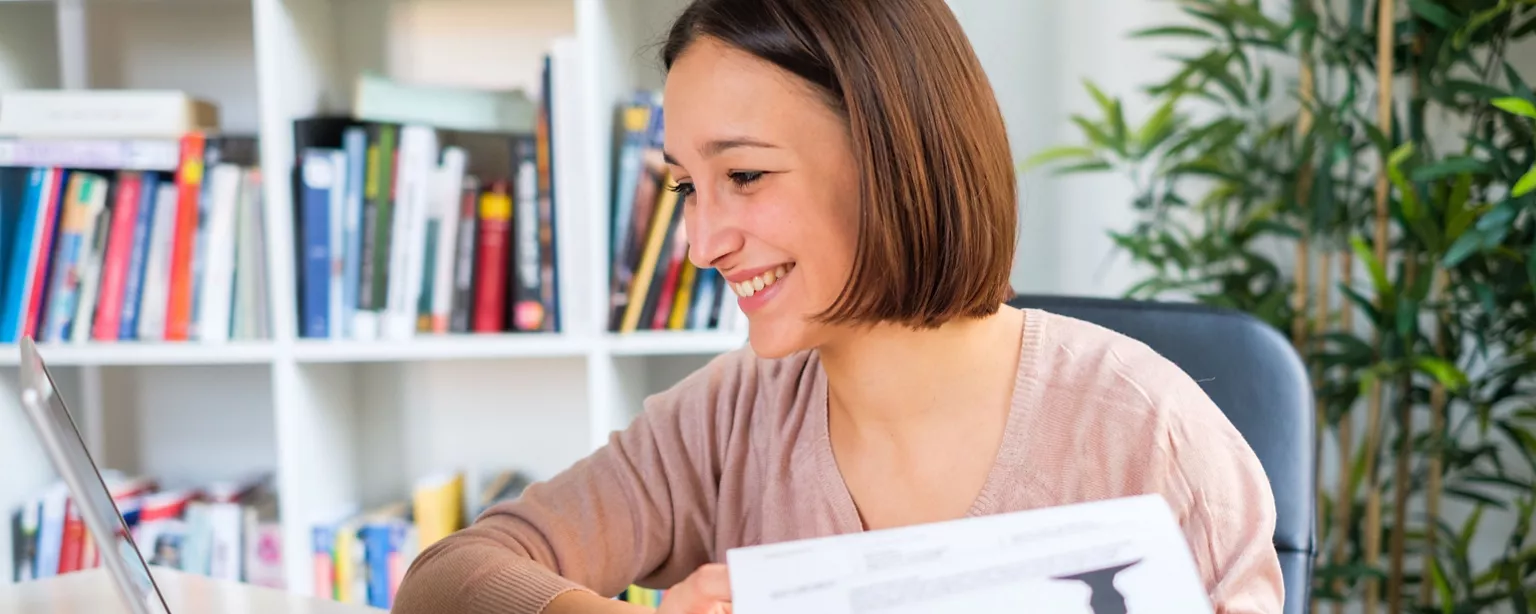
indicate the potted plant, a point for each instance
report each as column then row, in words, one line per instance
column 1380, row 208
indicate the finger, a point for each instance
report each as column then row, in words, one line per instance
column 713, row 581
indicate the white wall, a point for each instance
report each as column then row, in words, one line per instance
column 1037, row 54
column 26, row 28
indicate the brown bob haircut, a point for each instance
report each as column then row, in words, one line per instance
column 938, row 218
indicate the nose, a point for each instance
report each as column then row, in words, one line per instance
column 713, row 233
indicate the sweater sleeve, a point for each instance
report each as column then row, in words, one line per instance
column 1222, row 497
column 640, row 508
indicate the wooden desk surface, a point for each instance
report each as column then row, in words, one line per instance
column 92, row 592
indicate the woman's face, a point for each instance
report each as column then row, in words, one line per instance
column 771, row 189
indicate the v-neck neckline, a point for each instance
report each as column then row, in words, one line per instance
column 1010, row 452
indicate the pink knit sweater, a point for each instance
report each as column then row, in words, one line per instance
column 737, row 454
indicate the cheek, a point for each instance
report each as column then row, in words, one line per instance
column 816, row 229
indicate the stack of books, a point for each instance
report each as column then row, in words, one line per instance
column 225, row 530
column 126, row 215
column 652, row 283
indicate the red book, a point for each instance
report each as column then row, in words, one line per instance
column 189, row 182
column 669, row 285
column 49, row 209
column 495, row 230
column 114, row 267
column 72, row 547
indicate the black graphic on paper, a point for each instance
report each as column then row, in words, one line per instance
column 1103, row 598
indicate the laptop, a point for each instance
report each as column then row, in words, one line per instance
column 45, row 409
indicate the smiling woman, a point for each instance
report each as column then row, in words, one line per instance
column 883, row 159
column 844, row 165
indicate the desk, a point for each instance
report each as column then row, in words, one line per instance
column 91, row 591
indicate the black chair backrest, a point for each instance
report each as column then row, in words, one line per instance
column 1257, row 379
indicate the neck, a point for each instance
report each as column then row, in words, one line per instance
column 890, row 379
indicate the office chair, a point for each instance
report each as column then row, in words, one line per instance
column 1257, row 380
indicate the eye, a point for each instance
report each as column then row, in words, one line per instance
column 743, row 178
column 682, row 187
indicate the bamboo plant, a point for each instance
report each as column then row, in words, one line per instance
column 1362, row 176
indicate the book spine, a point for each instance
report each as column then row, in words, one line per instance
column 116, row 262
column 18, row 278
column 79, row 327
column 464, row 260
column 355, row 144
column 51, row 204
column 178, row 310
column 157, row 266
column 490, row 276
column 528, row 312
column 319, row 182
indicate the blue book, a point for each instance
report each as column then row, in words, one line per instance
column 18, row 281
column 133, row 286
column 318, row 178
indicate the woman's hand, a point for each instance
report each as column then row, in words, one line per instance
column 706, row 591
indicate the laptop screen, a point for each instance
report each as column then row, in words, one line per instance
column 88, row 492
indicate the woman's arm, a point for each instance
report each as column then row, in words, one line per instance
column 1218, row 489
column 583, row 602
column 641, row 507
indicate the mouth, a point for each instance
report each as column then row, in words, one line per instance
column 763, row 281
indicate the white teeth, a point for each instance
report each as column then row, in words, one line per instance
column 757, row 284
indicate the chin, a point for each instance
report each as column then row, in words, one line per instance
column 771, row 339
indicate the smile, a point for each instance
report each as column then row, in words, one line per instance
column 763, row 281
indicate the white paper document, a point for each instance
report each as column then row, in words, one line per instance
column 1121, row 556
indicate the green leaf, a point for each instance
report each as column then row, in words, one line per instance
column 1361, row 302
column 1479, row 19
column 1091, row 166
column 1157, row 127
column 1459, row 165
column 1526, row 183
column 1443, row 371
column 1097, row 135
column 1466, row 245
column 1274, row 227
column 1410, row 196
column 1378, row 272
column 1516, row 105
column 1460, row 219
column 1524, row 440
column 1112, row 114
column 1478, row 90
column 1435, row 14
column 1442, row 587
column 1530, row 265
column 1173, row 31
column 1474, row 496
column 1054, row 154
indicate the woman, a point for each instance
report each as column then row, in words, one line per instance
column 845, row 166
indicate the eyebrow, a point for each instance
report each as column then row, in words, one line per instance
column 717, row 146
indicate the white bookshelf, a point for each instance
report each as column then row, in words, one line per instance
column 353, row 421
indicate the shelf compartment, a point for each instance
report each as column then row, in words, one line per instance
column 443, row 347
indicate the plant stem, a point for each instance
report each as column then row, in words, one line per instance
column 1403, row 476
column 1437, row 403
column 1386, row 26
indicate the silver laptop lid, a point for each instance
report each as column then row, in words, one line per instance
column 66, row 449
